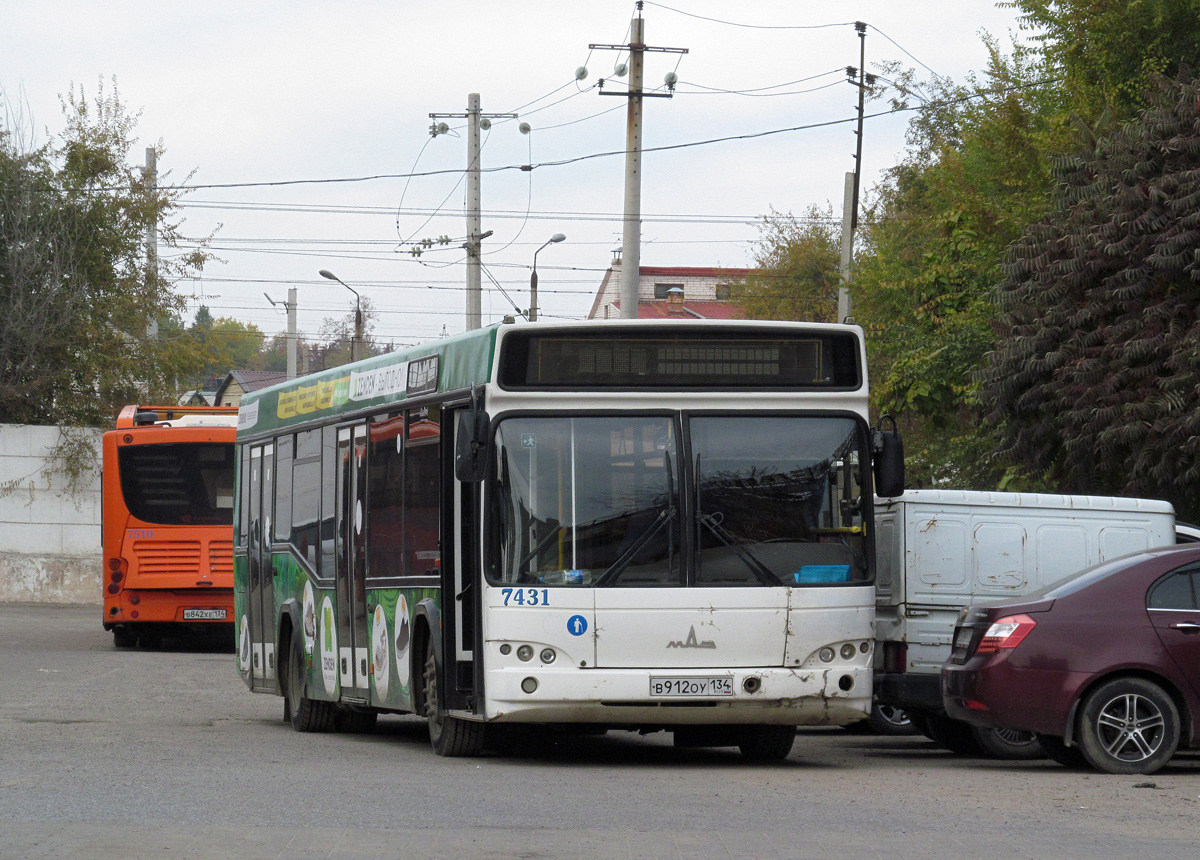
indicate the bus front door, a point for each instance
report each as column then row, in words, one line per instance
column 462, row 590
column 261, row 592
column 354, row 647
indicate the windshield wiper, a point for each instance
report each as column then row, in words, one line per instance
column 748, row 558
column 618, row 566
column 713, row 523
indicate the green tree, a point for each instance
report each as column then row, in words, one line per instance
column 76, row 295
column 795, row 275
column 222, row 345
column 935, row 230
column 1095, row 382
column 335, row 339
column 1108, row 52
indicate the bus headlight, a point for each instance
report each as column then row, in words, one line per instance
column 826, row 654
column 848, row 651
column 548, row 655
column 525, row 653
column 529, row 685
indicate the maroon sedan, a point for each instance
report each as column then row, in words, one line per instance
column 1103, row 666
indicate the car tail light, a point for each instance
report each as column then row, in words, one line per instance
column 1007, row 632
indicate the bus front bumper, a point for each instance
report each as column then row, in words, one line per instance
column 776, row 696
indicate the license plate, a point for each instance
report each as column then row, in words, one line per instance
column 204, row 615
column 670, row 687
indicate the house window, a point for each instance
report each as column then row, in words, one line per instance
column 723, row 292
column 660, row 290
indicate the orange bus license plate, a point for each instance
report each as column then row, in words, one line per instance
column 204, row 615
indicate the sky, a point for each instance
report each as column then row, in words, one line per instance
column 297, row 128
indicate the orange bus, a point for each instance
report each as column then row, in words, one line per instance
column 167, row 522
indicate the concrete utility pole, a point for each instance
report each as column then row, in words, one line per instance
column 860, row 78
column 290, row 307
column 476, row 122
column 474, row 228
column 847, row 248
column 151, row 177
column 291, row 333
column 631, row 237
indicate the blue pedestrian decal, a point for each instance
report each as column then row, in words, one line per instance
column 577, row 625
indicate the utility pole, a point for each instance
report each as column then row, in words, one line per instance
column 631, row 237
column 290, row 307
column 860, row 78
column 847, row 247
column 291, row 333
column 151, row 176
column 476, row 122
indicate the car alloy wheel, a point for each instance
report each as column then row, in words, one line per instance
column 1129, row 725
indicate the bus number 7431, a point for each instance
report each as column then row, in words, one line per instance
column 526, row 596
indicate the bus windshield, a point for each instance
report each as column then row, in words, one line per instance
column 602, row 501
column 179, row 484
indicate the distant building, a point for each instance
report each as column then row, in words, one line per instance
column 238, row 382
column 689, row 292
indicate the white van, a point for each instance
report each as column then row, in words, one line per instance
column 940, row 550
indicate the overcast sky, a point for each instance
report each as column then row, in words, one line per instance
column 251, row 93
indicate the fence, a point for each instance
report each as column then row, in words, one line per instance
column 49, row 537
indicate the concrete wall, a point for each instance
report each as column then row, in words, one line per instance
column 49, row 539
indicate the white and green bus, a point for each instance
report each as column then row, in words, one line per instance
column 639, row 525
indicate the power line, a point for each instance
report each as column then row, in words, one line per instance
column 751, row 26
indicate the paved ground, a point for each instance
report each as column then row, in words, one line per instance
column 165, row 754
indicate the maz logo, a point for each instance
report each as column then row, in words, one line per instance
column 691, row 642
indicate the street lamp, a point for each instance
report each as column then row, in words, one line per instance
column 557, row 237
column 356, row 347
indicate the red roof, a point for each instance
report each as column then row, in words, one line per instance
column 692, row 310
column 691, row 272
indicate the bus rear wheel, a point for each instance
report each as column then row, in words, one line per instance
column 123, row 637
column 766, row 743
column 304, row 714
column 449, row 735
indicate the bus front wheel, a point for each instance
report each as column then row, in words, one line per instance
column 304, row 714
column 449, row 735
column 766, row 743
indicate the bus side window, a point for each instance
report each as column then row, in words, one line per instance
column 306, row 495
column 423, row 493
column 329, row 477
column 385, row 485
column 283, row 489
column 243, row 522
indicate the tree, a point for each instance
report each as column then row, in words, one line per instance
column 335, row 339
column 1107, row 53
column 935, row 231
column 796, row 268
column 1095, row 381
column 222, row 345
column 76, row 295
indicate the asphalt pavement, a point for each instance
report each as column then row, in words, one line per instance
column 165, row 754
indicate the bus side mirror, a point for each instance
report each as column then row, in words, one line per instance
column 888, row 460
column 471, row 445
